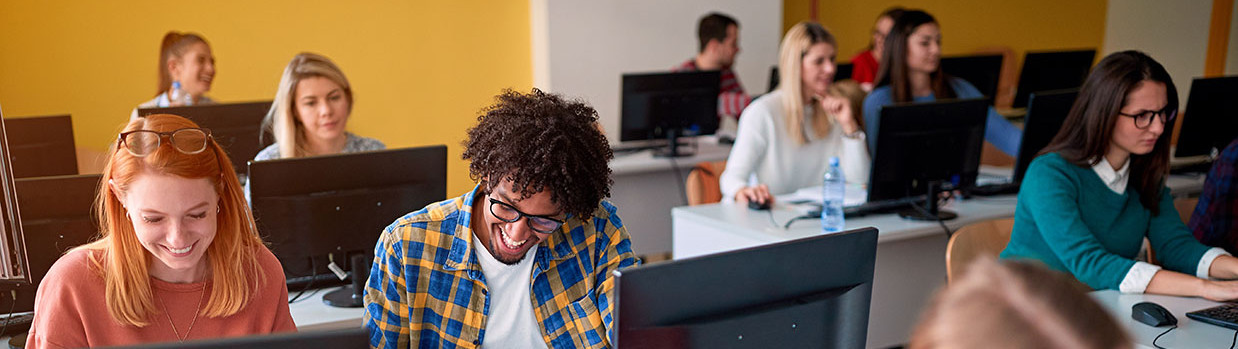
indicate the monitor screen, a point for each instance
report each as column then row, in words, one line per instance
column 1045, row 71
column 42, row 146
column 807, row 293
column 235, row 126
column 918, row 143
column 56, row 216
column 315, row 210
column 14, row 270
column 1210, row 120
column 1046, row 111
column 982, row 71
column 654, row 105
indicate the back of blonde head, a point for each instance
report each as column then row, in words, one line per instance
column 1016, row 305
column 282, row 119
column 122, row 261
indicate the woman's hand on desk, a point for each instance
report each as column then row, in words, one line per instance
column 1220, row 290
column 759, row 193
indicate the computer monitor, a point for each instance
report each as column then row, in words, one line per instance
column 1045, row 71
column 1046, row 112
column 982, row 71
column 41, row 146
column 352, row 338
column 56, row 216
column 14, row 268
column 921, row 146
column 841, row 72
column 668, row 106
column 237, row 127
column 806, row 293
column 1210, row 120
column 317, row 210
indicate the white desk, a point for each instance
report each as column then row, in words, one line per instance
column 1189, row 334
column 311, row 314
column 646, row 188
column 910, row 254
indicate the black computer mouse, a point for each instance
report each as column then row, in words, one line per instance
column 1152, row 314
column 753, row 205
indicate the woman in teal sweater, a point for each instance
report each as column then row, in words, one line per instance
column 1098, row 190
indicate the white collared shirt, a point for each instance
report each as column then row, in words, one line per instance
column 1140, row 274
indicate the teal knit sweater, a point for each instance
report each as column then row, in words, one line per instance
column 1068, row 218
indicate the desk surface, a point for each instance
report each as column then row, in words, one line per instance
column 1189, row 334
column 311, row 314
column 707, row 149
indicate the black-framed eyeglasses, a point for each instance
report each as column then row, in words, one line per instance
column 508, row 213
column 1144, row 120
column 144, row 142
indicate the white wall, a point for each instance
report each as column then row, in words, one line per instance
column 581, row 48
column 1175, row 33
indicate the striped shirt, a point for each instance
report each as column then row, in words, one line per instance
column 426, row 287
column 731, row 96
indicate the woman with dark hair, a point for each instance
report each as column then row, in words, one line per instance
column 911, row 72
column 186, row 70
column 1098, row 190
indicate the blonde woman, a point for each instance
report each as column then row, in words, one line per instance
column 178, row 257
column 310, row 113
column 786, row 137
column 185, row 60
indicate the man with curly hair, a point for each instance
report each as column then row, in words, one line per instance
column 523, row 260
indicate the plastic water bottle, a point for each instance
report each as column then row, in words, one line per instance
column 178, row 97
column 833, row 192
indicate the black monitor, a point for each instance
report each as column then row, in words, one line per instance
column 921, row 146
column 807, row 293
column 841, row 72
column 1046, row 112
column 56, row 216
column 1210, row 120
column 669, row 105
column 982, row 71
column 352, row 338
column 317, row 210
column 237, row 127
column 14, row 266
column 41, row 146
column 1057, row 70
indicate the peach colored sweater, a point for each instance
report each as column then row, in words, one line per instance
column 70, row 311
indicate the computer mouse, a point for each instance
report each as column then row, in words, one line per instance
column 1152, row 314
column 753, row 205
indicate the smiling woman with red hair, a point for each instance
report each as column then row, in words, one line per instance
column 178, row 258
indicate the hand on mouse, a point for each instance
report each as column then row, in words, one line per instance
column 759, row 193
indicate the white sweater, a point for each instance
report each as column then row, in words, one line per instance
column 763, row 148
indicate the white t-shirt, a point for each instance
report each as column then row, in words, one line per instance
column 511, row 323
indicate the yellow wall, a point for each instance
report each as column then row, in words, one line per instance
column 967, row 25
column 421, row 70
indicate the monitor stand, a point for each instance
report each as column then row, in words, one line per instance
column 351, row 296
column 672, row 146
column 930, row 212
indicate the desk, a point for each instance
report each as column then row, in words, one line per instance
column 311, row 314
column 910, row 254
column 646, row 188
column 1189, row 334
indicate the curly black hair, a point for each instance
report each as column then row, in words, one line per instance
column 542, row 141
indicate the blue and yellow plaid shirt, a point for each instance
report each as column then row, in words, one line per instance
column 426, row 286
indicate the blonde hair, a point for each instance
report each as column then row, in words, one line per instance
column 790, row 66
column 119, row 257
column 282, row 120
column 1016, row 305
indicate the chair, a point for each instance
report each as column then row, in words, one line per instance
column 702, row 183
column 987, row 238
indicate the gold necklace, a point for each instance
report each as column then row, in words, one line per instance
column 191, row 322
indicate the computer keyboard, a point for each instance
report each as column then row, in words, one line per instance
column 994, row 189
column 1225, row 315
column 17, row 323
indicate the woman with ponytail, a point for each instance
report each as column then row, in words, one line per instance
column 186, row 70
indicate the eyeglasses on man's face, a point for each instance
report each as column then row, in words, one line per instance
column 508, row 213
column 1144, row 119
column 141, row 143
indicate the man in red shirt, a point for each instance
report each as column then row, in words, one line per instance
column 719, row 44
